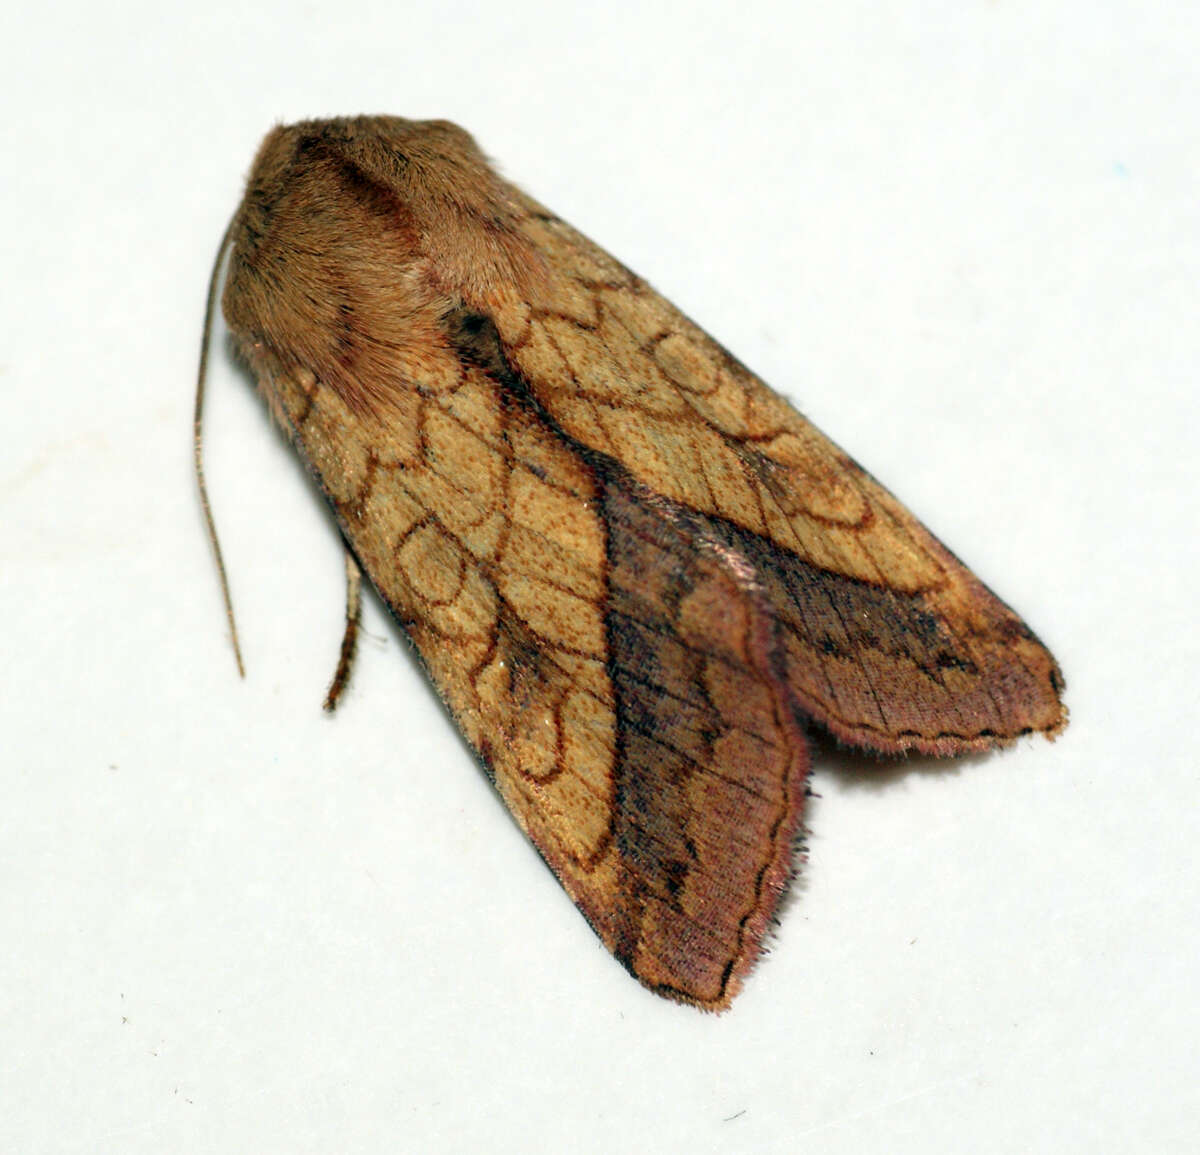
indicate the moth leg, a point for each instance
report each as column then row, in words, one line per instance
column 341, row 676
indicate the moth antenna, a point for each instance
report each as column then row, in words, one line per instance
column 198, row 442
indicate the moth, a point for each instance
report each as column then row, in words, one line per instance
column 635, row 574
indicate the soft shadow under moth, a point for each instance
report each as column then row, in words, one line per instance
column 634, row 573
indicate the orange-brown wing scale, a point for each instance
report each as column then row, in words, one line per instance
column 630, row 568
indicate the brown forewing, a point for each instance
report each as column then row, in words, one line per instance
column 892, row 643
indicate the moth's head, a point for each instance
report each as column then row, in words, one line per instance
column 355, row 180
column 356, row 236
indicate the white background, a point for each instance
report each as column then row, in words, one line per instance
column 963, row 236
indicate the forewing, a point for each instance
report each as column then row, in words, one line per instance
column 891, row 643
column 623, row 683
